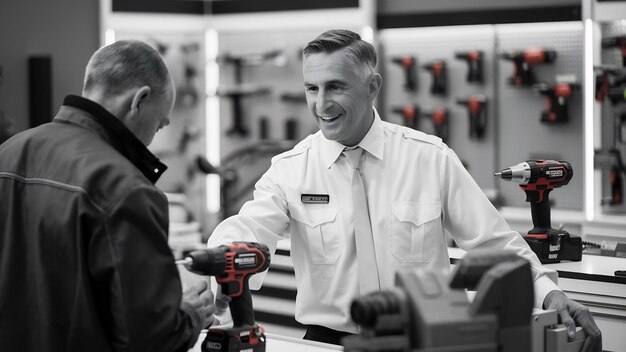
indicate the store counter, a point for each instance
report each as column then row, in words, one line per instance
column 279, row 343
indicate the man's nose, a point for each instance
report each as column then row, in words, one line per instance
column 322, row 102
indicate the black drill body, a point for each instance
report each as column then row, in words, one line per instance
column 475, row 63
column 523, row 60
column 439, row 72
column 557, row 97
column 538, row 178
column 477, row 109
column 232, row 265
column 439, row 117
column 410, row 115
column 408, row 64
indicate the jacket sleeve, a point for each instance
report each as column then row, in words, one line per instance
column 263, row 219
column 137, row 285
column 474, row 222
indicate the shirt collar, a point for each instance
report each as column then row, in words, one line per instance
column 117, row 134
column 373, row 143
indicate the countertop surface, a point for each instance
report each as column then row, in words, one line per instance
column 591, row 267
column 279, row 343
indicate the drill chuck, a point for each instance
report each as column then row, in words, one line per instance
column 210, row 261
column 520, row 172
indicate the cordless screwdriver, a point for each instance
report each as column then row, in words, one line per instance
column 232, row 265
column 538, row 178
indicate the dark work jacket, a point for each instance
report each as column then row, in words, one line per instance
column 84, row 259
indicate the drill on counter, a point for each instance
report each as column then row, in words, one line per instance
column 538, row 178
column 232, row 265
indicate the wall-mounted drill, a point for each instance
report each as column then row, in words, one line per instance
column 523, row 60
column 410, row 115
column 408, row 64
column 538, row 178
column 557, row 97
column 474, row 59
column 232, row 265
column 439, row 72
column 477, row 109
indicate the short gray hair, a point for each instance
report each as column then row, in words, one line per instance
column 126, row 64
column 360, row 52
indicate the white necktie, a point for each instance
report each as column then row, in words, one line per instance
column 365, row 252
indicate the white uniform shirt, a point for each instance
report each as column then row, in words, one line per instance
column 416, row 189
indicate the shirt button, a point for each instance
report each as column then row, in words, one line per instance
column 156, row 170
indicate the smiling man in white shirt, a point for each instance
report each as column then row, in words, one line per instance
column 415, row 189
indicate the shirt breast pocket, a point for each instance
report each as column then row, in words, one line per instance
column 416, row 231
column 322, row 236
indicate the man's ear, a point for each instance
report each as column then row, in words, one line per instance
column 138, row 99
column 375, row 83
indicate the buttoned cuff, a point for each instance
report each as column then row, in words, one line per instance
column 543, row 286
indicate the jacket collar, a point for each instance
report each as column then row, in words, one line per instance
column 373, row 143
column 111, row 129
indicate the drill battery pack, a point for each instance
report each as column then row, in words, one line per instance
column 554, row 247
column 244, row 338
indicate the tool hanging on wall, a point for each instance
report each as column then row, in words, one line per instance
column 523, row 60
column 277, row 57
column 475, row 63
column 607, row 76
column 611, row 160
column 477, row 109
column 439, row 118
column 617, row 95
column 439, row 73
column 557, row 97
column 235, row 95
column 620, row 129
column 408, row 64
column 616, row 42
column 410, row 115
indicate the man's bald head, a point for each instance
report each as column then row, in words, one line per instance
column 123, row 65
column 130, row 80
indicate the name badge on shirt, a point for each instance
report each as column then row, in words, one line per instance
column 315, row 198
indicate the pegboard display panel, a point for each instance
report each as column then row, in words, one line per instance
column 610, row 120
column 522, row 135
column 441, row 43
column 178, row 145
column 280, row 75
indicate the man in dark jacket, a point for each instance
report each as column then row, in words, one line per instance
column 84, row 260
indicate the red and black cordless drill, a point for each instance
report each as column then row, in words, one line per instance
column 538, row 178
column 439, row 72
column 410, row 76
column 410, row 115
column 232, row 265
column 522, row 62
column 477, row 110
column 439, row 117
column 557, row 96
column 474, row 59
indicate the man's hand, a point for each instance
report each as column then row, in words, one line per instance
column 201, row 298
column 571, row 314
